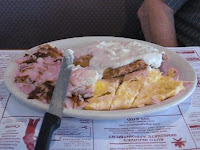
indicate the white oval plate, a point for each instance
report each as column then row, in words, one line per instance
column 185, row 69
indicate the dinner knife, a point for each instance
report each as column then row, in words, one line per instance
column 52, row 118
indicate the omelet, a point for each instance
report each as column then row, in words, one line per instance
column 129, row 90
column 164, row 88
column 111, row 94
column 103, row 95
column 126, row 94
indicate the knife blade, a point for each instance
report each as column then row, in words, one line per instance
column 52, row 118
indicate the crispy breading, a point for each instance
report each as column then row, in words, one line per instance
column 134, row 66
column 110, row 72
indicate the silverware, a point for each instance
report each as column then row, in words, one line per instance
column 52, row 118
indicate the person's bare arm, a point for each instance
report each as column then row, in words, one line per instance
column 157, row 23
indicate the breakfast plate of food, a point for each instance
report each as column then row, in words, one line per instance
column 111, row 78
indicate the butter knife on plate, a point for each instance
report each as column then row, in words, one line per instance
column 52, row 118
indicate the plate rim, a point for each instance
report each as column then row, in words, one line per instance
column 93, row 114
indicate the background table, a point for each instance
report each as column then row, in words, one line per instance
column 174, row 128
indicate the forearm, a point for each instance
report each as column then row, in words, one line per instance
column 157, row 23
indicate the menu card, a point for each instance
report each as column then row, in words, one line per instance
column 175, row 128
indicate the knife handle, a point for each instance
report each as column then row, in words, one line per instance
column 49, row 125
